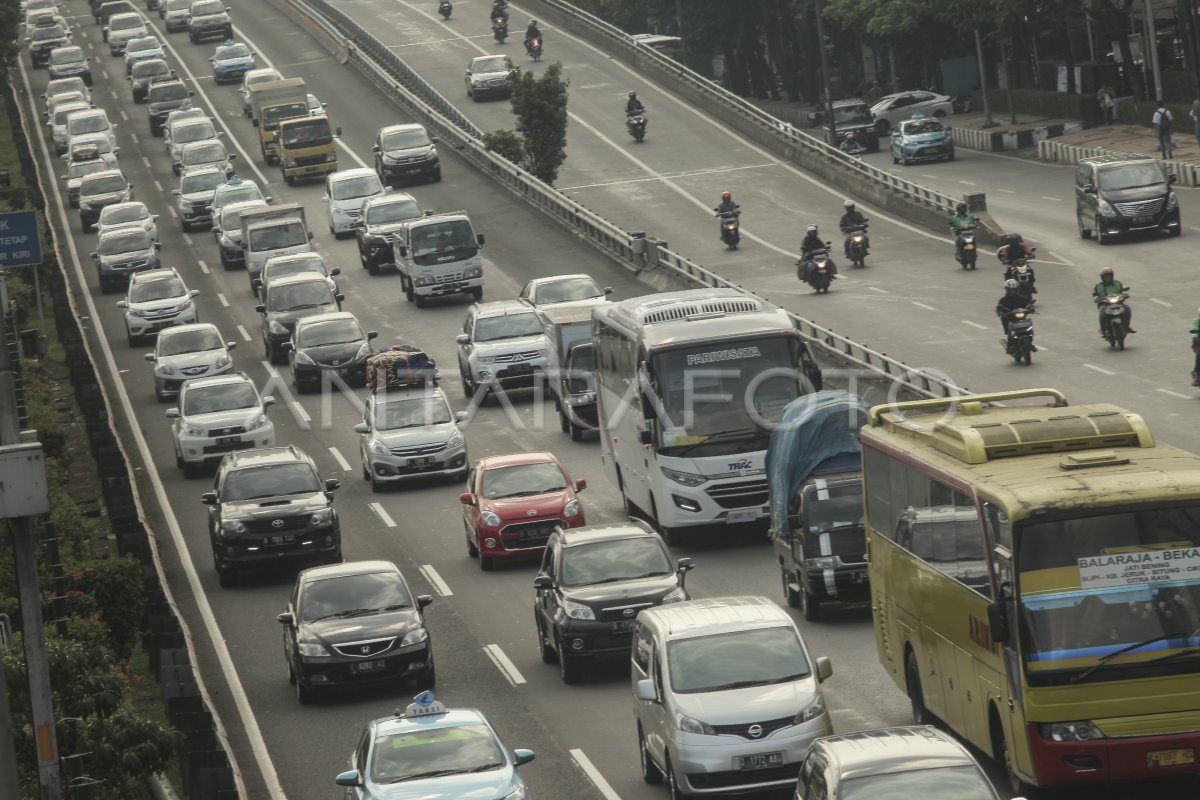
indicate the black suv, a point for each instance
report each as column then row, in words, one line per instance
column 289, row 299
column 1124, row 193
column 268, row 506
column 403, row 152
column 354, row 624
column 593, row 582
column 854, row 116
column 43, row 39
column 381, row 217
column 164, row 96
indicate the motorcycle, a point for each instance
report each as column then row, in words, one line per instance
column 857, row 247
column 821, row 274
column 1019, row 341
column 636, row 125
column 444, row 8
column 1112, row 319
column 850, row 145
column 965, row 241
column 535, row 48
column 1022, row 273
column 731, row 224
column 500, row 30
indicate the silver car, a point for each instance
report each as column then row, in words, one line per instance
column 195, row 195
column 260, row 75
column 121, row 29
column 128, row 215
column 76, row 170
column 63, row 85
column 58, row 124
column 188, row 351
column 889, row 110
column 210, row 152
column 227, row 228
column 502, row 346
column 187, row 130
column 345, row 191
column 409, row 433
column 157, row 299
column 215, row 416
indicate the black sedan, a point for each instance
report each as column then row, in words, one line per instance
column 328, row 343
column 381, row 217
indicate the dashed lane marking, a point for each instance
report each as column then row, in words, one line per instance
column 922, row 305
column 974, row 324
column 1006, row 191
column 877, row 289
column 340, row 459
column 299, row 412
column 171, row 210
column 245, row 333
column 1161, row 302
column 383, row 515
column 1180, row 395
column 435, row 580
column 221, row 297
column 1053, row 199
column 594, row 775
column 146, row 161
column 203, row 266
column 124, row 116
column 1101, row 370
column 507, row 668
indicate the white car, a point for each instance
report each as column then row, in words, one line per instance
column 88, row 146
column 209, row 153
column 578, row 290
column 143, row 48
column 186, row 131
column 315, row 107
column 58, row 123
column 260, row 75
column 217, row 415
column 236, row 190
column 123, row 28
column 345, row 192
column 410, row 433
column 890, row 109
column 503, row 346
column 188, row 351
column 90, row 120
column 133, row 214
column 157, row 299
column 63, row 85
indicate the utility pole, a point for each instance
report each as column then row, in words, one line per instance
column 1152, row 44
column 825, row 75
column 988, row 122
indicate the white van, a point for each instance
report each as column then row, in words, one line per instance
column 91, row 120
column 726, row 696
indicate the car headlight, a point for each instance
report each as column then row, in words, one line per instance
column 1081, row 731
column 578, row 610
column 256, row 422
column 221, row 363
column 233, row 526
column 363, row 351
column 689, row 725
column 813, row 710
column 289, row 162
column 331, row 156
column 305, row 358
column 473, row 272
column 321, row 517
column 676, row 595
column 685, row 478
column 571, row 509
column 415, row 636
column 1172, row 200
column 455, row 441
column 276, row 327
column 822, row 562
column 516, row 794
column 484, row 359
column 226, row 242
column 490, row 518
column 85, row 206
column 379, row 448
column 312, row 650
column 582, row 399
column 192, row 430
column 164, row 369
column 424, row 280
column 1105, row 208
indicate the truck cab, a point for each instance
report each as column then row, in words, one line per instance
column 438, row 255
column 271, row 102
column 305, row 147
column 273, row 231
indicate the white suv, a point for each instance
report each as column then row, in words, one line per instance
column 345, row 191
column 157, row 299
column 410, row 433
column 188, row 351
column 502, row 346
column 216, row 416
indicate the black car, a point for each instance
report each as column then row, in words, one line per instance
column 104, row 12
column 269, row 506
column 381, row 217
column 355, row 624
column 403, row 152
column 289, row 299
column 164, row 96
column 593, row 582
column 121, row 252
column 43, row 39
column 208, row 18
column 1121, row 194
column 854, row 116
column 144, row 73
column 333, row 343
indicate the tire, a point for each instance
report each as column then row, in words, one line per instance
column 227, row 578
column 1028, row 357
column 950, row 157
column 1003, row 759
column 576, row 432
column 472, row 550
column 651, row 774
column 810, row 605
column 673, row 792
column 916, row 697
column 304, row 695
column 563, row 422
column 186, row 226
column 486, row 563
column 428, row 680
column 467, row 389
column 569, row 668
column 419, row 300
column 131, row 339
column 291, row 179
column 548, row 654
column 1084, row 233
column 1099, row 233
column 789, row 594
column 190, row 470
column 409, row 294
column 477, row 294
column 437, row 175
column 366, row 473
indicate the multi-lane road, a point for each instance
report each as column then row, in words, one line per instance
column 911, row 301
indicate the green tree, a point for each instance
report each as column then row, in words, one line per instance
column 540, row 105
column 506, row 144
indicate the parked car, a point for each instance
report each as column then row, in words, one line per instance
column 889, row 110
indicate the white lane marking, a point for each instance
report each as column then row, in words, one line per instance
column 1180, row 395
column 171, row 210
column 203, row 266
column 922, row 305
column 340, row 459
column 350, row 153
column 877, row 289
column 115, row 96
column 159, row 187
column 1065, row 261
column 245, row 333
column 383, row 515
column 270, row 368
column 146, row 161
column 593, row 774
column 1161, row 302
column 1006, row 191
column 124, row 116
column 134, row 137
column 507, row 668
column 973, row 324
column 968, row 183
column 1101, row 370
column 690, row 174
column 435, row 580
column 221, row 297
column 1055, row 199
column 1193, row 228
column 299, row 412
column 187, row 238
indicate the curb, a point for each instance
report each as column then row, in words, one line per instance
column 991, row 141
column 1186, row 173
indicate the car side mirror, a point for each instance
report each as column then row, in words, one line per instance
column 122, row 304
column 580, row 485
column 256, row 284
column 336, row 131
column 269, row 400
column 339, row 297
column 358, row 223
column 645, row 691
column 231, row 345
column 608, row 290
column 543, row 582
column 462, row 338
column 434, row 139
column 333, row 273
column 324, row 198
column 216, row 229
column 479, row 238
column 375, row 148
column 254, row 123
column 1172, row 178
column 372, row 335
column 171, row 413
column 424, row 600
column 332, row 484
column 644, row 437
column 209, row 498
column 310, row 236
column 824, row 669
column 260, row 308
column 1089, row 188
column 467, row 499
column 402, row 250
column 362, row 427
column 523, row 756
column 684, row 565
column 461, row 416
column 175, row 192
column 232, row 156
column 286, row 618
column 191, row 94
column 287, row 347
column 158, row 246
column 349, row 778
column 150, row 357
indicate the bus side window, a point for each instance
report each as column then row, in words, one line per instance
column 877, row 473
column 970, row 553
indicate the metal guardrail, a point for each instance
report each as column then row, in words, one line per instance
column 446, row 121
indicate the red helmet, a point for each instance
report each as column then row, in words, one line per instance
column 726, row 195
column 1106, row 272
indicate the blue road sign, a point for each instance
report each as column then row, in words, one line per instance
column 20, row 243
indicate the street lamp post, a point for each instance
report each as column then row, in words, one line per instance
column 988, row 122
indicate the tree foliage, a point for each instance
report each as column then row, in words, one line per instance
column 540, row 105
column 506, row 144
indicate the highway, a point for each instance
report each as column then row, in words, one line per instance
column 911, row 301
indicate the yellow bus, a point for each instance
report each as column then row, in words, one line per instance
column 1035, row 582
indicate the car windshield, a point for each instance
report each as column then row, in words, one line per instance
column 241, row 194
column 617, row 560
column 207, row 153
column 149, row 291
column 523, row 480
column 269, row 480
column 178, row 5
column 233, row 51
column 100, row 142
column 49, row 32
column 78, row 169
column 146, row 69
column 219, row 397
column 60, row 85
column 275, row 237
column 332, row 597
column 309, row 294
column 568, row 290
column 1131, row 176
column 334, row 331
column 507, row 326
column 736, row 659
column 193, row 341
column 123, row 23
column 312, row 133
column 294, row 266
column 65, row 55
column 167, row 92
column 124, row 242
column 272, row 115
column 206, row 8
column 139, row 45
column 61, row 113
column 490, row 64
column 964, row 782
column 435, row 241
column 851, row 115
column 201, row 182
column 583, row 358
column 922, row 127
column 435, row 752
column 115, row 215
column 262, row 77
column 193, row 132
column 104, row 185
column 411, row 412
column 405, row 140
column 87, row 123
column 231, row 220
column 395, row 210
column 361, row 186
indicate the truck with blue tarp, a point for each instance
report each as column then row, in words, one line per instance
column 814, row 478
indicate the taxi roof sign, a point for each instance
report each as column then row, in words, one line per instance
column 423, row 705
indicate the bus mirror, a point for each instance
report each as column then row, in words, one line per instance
column 645, row 437
column 998, row 622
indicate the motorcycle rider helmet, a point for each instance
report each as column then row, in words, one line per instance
column 812, row 230
column 532, row 23
column 960, row 209
column 1107, row 272
column 848, row 205
column 726, row 196
column 633, row 95
column 1011, row 285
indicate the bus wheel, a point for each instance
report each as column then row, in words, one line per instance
column 912, row 680
column 1003, row 757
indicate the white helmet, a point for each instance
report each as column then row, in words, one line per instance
column 848, row 205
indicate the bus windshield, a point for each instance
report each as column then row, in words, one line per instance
column 715, row 397
column 1111, row 595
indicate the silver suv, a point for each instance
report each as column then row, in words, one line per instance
column 502, row 346
column 410, row 433
column 216, row 416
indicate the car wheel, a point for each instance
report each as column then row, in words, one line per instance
column 428, row 680
column 810, row 605
column 486, row 563
column 472, row 550
column 407, row 286
column 569, row 667
column 894, row 159
column 1098, row 229
column 129, row 337
column 563, row 421
column 576, row 432
column 376, row 485
column 789, row 594
column 477, row 293
column 366, row 471
column 672, row 785
column 939, row 113
column 437, row 175
column 1084, row 233
column 420, row 300
column 467, row 389
column 226, row 577
column 190, row 470
column 950, row 157
column 544, row 649
column 1003, row 756
column 651, row 774
column 187, row 226
column 304, row 695
column 291, row 673
column 160, row 396
column 372, row 268
column 291, row 179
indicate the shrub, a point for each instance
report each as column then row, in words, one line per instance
column 116, row 586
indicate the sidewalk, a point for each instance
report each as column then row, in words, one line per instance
column 1135, row 139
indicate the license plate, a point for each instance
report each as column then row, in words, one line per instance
column 420, row 462
column 222, row 440
column 759, row 761
column 623, row 626
column 744, row 515
column 367, row 666
column 1170, row 758
column 1144, row 219
column 283, row 538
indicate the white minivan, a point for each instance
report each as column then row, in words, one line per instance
column 90, row 120
column 726, row 696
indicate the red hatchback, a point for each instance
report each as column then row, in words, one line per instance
column 514, row 502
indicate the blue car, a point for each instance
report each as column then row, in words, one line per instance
column 921, row 139
column 231, row 61
column 434, row 753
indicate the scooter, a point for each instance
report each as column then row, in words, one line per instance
column 500, row 30
column 1019, row 342
column 1022, row 273
column 731, row 224
column 535, row 48
column 966, row 240
column 636, row 125
column 850, row 145
column 821, row 275
column 1112, row 319
column 444, row 8
column 858, row 245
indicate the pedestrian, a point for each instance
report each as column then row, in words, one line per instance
column 1108, row 104
column 1162, row 128
column 1195, row 115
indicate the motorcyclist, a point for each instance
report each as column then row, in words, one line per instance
column 853, row 218
column 1110, row 285
column 633, row 105
column 962, row 218
column 531, row 32
column 810, row 244
column 1010, row 302
column 1196, row 349
column 850, row 144
column 727, row 206
column 1014, row 249
column 500, row 12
